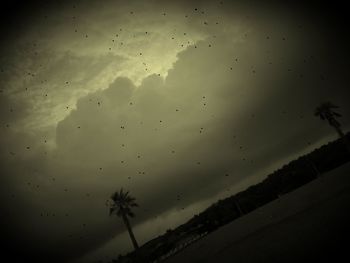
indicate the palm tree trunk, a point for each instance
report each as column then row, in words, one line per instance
column 131, row 234
column 339, row 131
column 238, row 207
column 343, row 137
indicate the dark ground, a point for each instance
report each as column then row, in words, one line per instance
column 310, row 224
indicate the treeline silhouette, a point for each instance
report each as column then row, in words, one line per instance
column 286, row 179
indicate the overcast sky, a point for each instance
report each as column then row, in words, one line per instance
column 163, row 98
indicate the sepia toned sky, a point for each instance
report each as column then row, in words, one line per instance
column 180, row 102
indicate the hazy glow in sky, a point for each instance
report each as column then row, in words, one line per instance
column 69, row 59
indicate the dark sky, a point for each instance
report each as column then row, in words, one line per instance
column 164, row 98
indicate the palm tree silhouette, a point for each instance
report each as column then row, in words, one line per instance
column 121, row 206
column 325, row 112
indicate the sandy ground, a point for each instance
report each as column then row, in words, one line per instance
column 310, row 224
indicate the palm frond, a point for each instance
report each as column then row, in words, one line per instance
column 122, row 203
column 111, row 210
column 115, row 196
column 324, row 111
column 130, row 199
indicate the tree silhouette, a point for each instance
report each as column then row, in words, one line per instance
column 325, row 112
column 121, row 206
